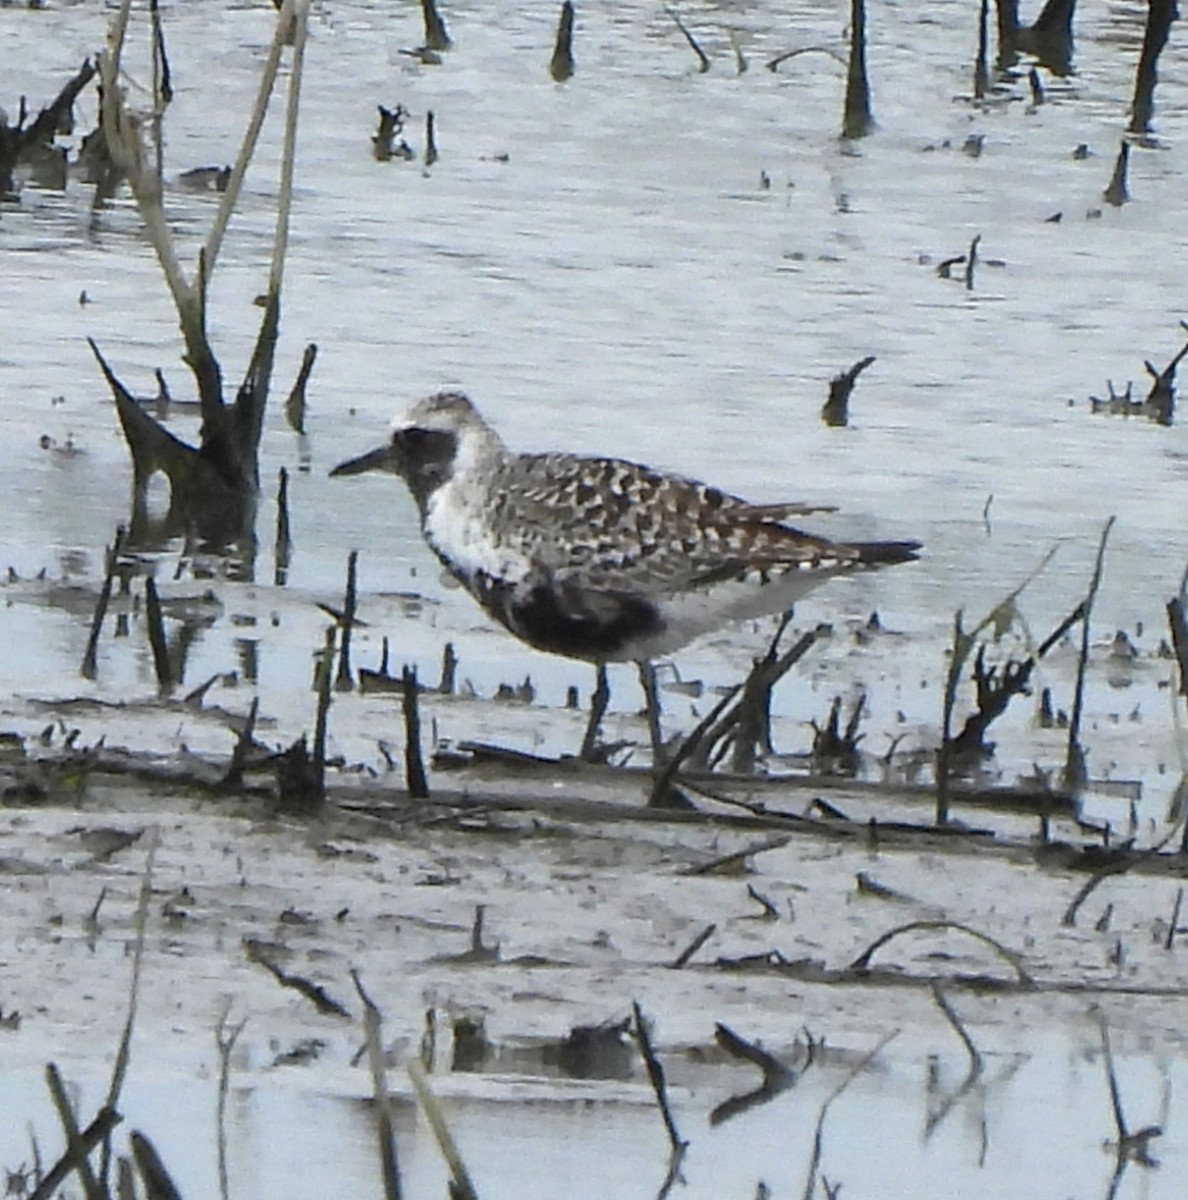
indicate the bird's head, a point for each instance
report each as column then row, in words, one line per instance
column 430, row 443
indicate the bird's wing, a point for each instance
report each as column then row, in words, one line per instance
column 603, row 522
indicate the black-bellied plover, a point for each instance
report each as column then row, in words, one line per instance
column 600, row 559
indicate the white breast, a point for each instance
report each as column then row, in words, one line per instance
column 456, row 527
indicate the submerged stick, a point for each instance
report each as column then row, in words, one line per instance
column 283, row 552
column 414, row 764
column 561, row 64
column 90, row 658
column 343, row 682
column 233, row 780
column 981, row 71
column 836, row 409
column 1117, row 193
column 431, row 155
column 295, row 405
column 322, row 718
column 449, row 668
column 971, row 261
column 643, row 1035
column 703, row 61
column 156, row 635
column 857, row 120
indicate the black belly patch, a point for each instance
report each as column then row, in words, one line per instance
column 569, row 620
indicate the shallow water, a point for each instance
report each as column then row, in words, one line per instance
column 623, row 284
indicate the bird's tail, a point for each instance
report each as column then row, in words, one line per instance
column 886, row 554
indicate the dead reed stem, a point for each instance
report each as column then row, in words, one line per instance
column 1075, row 773
column 251, row 136
column 461, row 1186
column 124, row 1053
column 225, row 1038
column 66, row 1116
column 384, row 1125
column 99, row 1129
column 158, row 1184
column 963, row 645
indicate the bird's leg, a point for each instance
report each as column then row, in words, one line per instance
column 598, row 702
column 647, row 681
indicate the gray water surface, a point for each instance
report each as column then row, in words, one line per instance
column 599, row 266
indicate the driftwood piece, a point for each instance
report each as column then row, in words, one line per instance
column 836, row 409
column 1116, row 192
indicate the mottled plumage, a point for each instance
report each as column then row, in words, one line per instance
column 600, row 558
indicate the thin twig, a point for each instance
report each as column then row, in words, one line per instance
column 655, row 1069
column 810, row 1183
